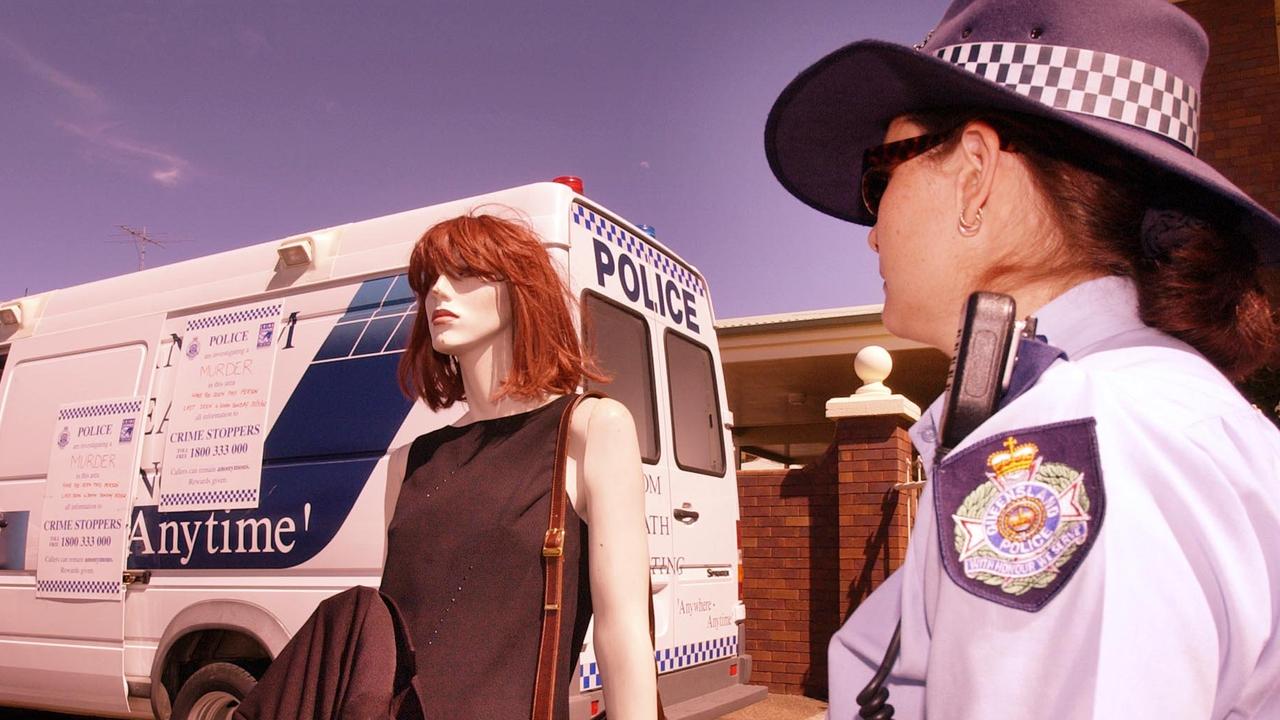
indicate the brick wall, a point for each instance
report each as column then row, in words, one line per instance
column 1241, row 119
column 790, row 556
column 1241, row 103
column 815, row 542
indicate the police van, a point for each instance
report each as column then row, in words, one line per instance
column 193, row 456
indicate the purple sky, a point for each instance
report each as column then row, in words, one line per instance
column 222, row 124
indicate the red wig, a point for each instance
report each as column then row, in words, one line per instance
column 546, row 357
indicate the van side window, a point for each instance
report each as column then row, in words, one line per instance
column 695, row 408
column 619, row 340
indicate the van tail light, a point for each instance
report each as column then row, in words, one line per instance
column 574, row 183
column 737, row 529
column 595, row 708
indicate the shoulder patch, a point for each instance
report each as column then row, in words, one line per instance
column 1018, row 512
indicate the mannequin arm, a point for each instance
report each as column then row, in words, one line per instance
column 619, row 561
column 397, row 464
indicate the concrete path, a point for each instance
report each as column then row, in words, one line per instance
column 782, row 707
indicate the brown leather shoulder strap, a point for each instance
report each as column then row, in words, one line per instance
column 544, row 688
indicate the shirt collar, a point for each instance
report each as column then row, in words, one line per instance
column 1087, row 317
column 1080, row 321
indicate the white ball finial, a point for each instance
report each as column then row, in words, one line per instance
column 872, row 365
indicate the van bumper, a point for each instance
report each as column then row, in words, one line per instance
column 703, row 692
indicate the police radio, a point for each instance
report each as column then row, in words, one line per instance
column 981, row 367
column 986, row 348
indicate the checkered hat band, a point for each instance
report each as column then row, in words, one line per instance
column 1089, row 83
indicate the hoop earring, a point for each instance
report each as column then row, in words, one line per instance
column 970, row 229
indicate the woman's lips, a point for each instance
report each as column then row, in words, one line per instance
column 441, row 316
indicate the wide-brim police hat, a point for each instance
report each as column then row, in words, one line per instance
column 1124, row 72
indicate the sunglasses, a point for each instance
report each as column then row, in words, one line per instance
column 879, row 162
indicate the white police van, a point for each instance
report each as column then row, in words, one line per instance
column 158, row 572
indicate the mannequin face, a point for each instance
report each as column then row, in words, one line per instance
column 468, row 313
column 926, row 265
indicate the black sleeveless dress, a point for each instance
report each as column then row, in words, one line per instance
column 464, row 565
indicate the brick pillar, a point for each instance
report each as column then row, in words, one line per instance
column 875, row 455
column 875, row 459
column 816, row 541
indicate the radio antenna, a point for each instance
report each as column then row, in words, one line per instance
column 140, row 239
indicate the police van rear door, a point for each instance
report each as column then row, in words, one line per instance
column 691, row 497
column 623, row 333
column 63, row 638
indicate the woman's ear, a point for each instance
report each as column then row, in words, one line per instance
column 979, row 154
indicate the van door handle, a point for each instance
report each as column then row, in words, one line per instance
column 137, row 577
column 684, row 515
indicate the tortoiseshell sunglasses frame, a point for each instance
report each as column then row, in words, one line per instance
column 879, row 162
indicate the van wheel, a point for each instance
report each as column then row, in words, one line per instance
column 213, row 692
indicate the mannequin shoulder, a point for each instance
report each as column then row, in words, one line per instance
column 601, row 420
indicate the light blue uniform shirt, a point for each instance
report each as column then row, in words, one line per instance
column 1174, row 612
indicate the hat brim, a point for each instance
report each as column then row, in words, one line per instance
column 840, row 106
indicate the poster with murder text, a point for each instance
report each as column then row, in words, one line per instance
column 92, row 462
column 218, row 421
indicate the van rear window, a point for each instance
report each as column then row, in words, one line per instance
column 619, row 340
column 695, row 408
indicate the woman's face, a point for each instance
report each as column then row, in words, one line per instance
column 467, row 313
column 926, row 265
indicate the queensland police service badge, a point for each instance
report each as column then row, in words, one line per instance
column 1021, row 511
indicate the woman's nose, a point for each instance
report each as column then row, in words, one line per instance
column 872, row 242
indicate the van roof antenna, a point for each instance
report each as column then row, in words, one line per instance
column 140, row 239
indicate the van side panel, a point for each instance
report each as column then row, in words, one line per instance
column 340, row 412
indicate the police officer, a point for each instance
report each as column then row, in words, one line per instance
column 1107, row 544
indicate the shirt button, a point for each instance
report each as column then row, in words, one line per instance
column 928, row 435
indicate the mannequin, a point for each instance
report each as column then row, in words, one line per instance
column 493, row 328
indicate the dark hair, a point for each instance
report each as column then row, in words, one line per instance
column 546, row 358
column 1205, row 290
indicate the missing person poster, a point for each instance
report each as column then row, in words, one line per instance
column 218, row 421
column 94, row 459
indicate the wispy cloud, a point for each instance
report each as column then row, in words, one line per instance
column 76, row 90
column 93, row 125
column 164, row 167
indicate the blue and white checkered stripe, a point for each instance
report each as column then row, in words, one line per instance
column 78, row 587
column 209, row 497
column 646, row 253
column 100, row 409
column 1090, row 83
column 262, row 312
column 686, row 655
column 671, row 658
